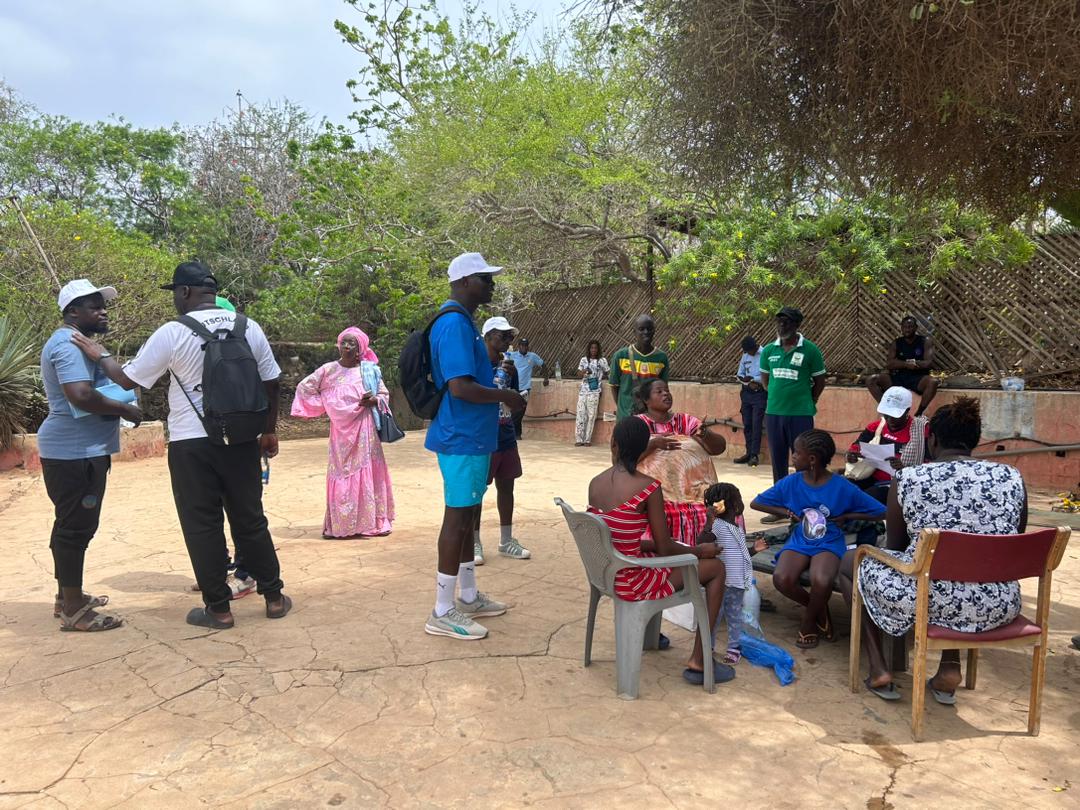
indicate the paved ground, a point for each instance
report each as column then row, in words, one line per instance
column 348, row 703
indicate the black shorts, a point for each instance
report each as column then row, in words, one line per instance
column 908, row 379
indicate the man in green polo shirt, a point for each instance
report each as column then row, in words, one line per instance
column 793, row 373
column 632, row 365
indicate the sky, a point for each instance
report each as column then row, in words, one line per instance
column 159, row 62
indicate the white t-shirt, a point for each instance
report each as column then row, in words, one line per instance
column 174, row 347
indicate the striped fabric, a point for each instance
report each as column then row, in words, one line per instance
column 627, row 523
column 732, row 542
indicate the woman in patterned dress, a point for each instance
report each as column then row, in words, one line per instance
column 350, row 390
column 953, row 492
column 628, row 502
column 685, row 519
column 593, row 368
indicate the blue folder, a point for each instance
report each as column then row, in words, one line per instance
column 110, row 391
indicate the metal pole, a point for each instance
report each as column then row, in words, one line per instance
column 33, row 238
column 1023, row 451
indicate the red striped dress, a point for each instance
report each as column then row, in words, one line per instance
column 627, row 523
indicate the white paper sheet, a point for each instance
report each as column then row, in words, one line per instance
column 878, row 455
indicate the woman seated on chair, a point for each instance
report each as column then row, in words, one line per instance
column 679, row 456
column 629, row 502
column 954, row 492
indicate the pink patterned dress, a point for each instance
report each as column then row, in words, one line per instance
column 359, row 496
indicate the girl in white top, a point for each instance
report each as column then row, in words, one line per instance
column 724, row 509
column 593, row 368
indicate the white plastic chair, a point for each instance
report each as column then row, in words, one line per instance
column 637, row 624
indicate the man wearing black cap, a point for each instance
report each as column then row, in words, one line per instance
column 208, row 477
column 793, row 373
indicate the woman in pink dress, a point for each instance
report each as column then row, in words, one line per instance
column 350, row 390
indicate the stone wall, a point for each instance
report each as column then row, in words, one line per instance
column 145, row 441
column 1011, row 421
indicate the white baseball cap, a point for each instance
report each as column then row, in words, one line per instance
column 80, row 287
column 499, row 323
column 470, row 264
column 895, row 402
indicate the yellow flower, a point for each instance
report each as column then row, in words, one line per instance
column 713, row 275
column 77, row 237
column 866, row 279
column 740, row 255
column 883, row 291
column 738, row 235
column 727, row 328
column 772, row 213
column 693, row 275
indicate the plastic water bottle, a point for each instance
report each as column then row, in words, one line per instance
column 558, row 370
column 751, row 610
column 265, row 469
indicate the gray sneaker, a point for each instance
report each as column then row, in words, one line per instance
column 455, row 624
column 477, row 553
column 514, row 549
column 481, row 606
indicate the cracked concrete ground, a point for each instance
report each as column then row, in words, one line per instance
column 347, row 703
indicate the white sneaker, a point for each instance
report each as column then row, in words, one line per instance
column 454, row 624
column 477, row 553
column 512, row 548
column 481, row 606
column 240, row 588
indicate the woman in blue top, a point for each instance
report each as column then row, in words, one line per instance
column 818, row 503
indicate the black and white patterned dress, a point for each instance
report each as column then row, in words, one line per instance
column 966, row 495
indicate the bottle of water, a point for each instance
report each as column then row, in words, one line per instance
column 558, row 370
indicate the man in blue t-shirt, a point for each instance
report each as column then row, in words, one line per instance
column 75, row 443
column 526, row 362
column 463, row 435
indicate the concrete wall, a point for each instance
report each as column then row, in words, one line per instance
column 1010, row 420
column 145, row 441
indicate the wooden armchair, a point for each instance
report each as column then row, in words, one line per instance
column 964, row 557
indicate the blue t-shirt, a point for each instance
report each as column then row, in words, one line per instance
column 461, row 428
column 837, row 496
column 62, row 436
column 525, row 364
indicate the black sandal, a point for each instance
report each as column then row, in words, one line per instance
column 201, row 617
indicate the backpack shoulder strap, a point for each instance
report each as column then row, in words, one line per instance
column 195, row 326
column 452, row 308
column 240, row 326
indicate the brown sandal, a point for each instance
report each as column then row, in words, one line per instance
column 279, row 613
column 827, row 631
column 100, row 622
column 94, row 601
column 806, row 641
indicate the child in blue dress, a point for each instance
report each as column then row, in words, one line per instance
column 818, row 502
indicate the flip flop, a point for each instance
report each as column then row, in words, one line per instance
column 732, row 657
column 806, row 641
column 942, row 697
column 886, row 692
column 663, row 643
column 201, row 617
column 279, row 614
column 827, row 631
column 722, row 673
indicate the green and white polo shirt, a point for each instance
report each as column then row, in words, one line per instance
column 791, row 376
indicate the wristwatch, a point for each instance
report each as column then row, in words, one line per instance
column 104, row 354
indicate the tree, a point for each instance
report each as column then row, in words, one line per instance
column 954, row 98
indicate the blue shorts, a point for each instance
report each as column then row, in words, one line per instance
column 465, row 479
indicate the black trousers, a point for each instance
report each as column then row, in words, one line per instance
column 76, row 489
column 753, row 417
column 782, row 432
column 209, row 478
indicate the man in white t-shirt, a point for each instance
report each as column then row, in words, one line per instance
column 208, row 477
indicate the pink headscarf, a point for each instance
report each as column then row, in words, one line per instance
column 362, row 341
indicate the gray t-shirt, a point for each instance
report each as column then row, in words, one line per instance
column 62, row 436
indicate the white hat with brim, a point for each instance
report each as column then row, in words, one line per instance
column 895, row 402
column 79, row 288
column 470, row 264
column 499, row 323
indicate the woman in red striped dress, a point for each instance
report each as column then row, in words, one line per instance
column 629, row 502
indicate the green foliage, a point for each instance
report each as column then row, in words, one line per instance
column 746, row 259
column 18, row 359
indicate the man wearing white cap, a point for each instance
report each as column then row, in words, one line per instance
column 505, row 461
column 463, row 435
column 75, row 442
column 897, row 427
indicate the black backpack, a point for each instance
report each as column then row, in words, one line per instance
column 414, row 369
column 234, row 398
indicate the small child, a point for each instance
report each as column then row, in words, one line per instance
column 724, row 509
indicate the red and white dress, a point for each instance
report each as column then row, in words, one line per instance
column 685, row 521
column 627, row 523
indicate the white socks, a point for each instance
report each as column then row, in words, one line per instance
column 505, row 534
column 444, row 593
column 466, row 577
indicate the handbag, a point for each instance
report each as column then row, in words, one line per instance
column 862, row 469
column 389, row 432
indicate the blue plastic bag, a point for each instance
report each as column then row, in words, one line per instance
column 763, row 653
